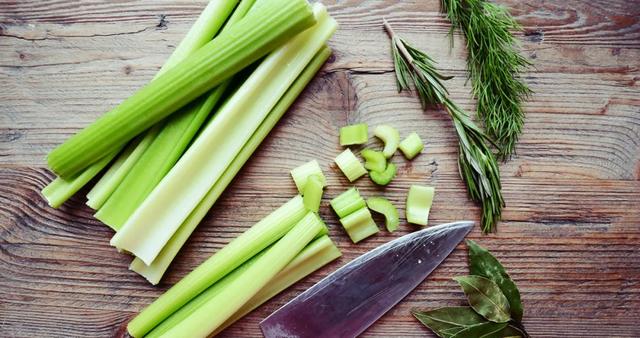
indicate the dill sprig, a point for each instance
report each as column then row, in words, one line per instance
column 477, row 164
column 495, row 65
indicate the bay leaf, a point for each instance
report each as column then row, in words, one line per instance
column 484, row 330
column 486, row 298
column 447, row 321
column 483, row 263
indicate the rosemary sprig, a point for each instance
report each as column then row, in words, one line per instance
column 477, row 164
column 495, row 65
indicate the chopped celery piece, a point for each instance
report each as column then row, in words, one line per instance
column 347, row 202
column 411, row 146
column 419, row 200
column 391, row 138
column 60, row 190
column 156, row 160
column 160, row 215
column 301, row 173
column 383, row 206
column 374, row 160
column 153, row 273
column 359, row 225
column 260, row 32
column 350, row 165
column 219, row 308
column 238, row 251
column 313, row 192
column 385, row 177
column 354, row 134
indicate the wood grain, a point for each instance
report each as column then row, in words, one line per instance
column 570, row 235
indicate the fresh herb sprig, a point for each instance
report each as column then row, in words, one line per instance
column 495, row 65
column 495, row 308
column 477, row 164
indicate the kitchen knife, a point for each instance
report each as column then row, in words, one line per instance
column 348, row 301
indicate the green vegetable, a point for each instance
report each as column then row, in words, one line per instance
column 301, row 173
column 391, row 138
column 350, row 165
column 260, row 32
column 383, row 206
column 419, row 200
column 385, row 177
column 359, row 225
column 165, row 209
column 313, row 193
column 476, row 162
column 374, row 160
column 483, row 263
column 60, row 190
column 486, row 298
column 347, row 202
column 354, row 134
column 212, row 314
column 154, row 272
column 495, row 67
column 446, row 322
column 411, row 146
column 234, row 254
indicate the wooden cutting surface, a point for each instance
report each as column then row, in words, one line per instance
column 571, row 230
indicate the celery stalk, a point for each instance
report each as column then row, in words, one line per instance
column 391, row 138
column 411, row 146
column 350, row 165
column 260, row 32
column 419, row 200
column 313, row 193
column 60, row 190
column 383, row 206
column 301, row 173
column 359, row 225
column 384, row 177
column 212, row 314
column 314, row 256
column 374, row 160
column 354, row 134
column 347, row 202
column 153, row 273
column 258, row 237
column 170, row 203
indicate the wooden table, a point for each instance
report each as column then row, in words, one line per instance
column 571, row 230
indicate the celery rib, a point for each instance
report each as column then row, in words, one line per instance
column 170, row 203
column 260, row 32
column 359, row 225
column 391, row 138
column 301, row 173
column 411, row 146
column 354, row 134
column 347, row 202
column 313, row 193
column 374, row 160
column 383, row 206
column 154, row 272
column 350, row 165
column 385, row 177
column 419, row 200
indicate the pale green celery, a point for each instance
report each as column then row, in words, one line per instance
column 160, row 215
column 301, row 173
column 411, row 146
column 419, row 200
column 391, row 138
column 234, row 254
column 218, row 309
column 157, row 160
column 260, row 32
column 60, row 190
column 153, row 273
column 374, row 160
column 315, row 255
column 347, row 202
column 350, row 165
column 203, row 30
column 313, row 193
column 383, row 206
column 354, row 134
column 359, row 225
column 385, row 177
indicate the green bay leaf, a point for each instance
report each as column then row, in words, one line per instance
column 447, row 321
column 486, row 298
column 483, row 263
column 484, row 330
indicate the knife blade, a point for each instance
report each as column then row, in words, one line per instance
column 348, row 301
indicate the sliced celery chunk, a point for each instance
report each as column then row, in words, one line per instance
column 313, row 192
column 391, row 138
column 419, row 200
column 301, row 173
column 347, row 202
column 350, row 165
column 359, row 225
column 374, row 160
column 385, row 177
column 354, row 134
column 383, row 206
column 411, row 146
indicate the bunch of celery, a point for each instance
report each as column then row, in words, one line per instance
column 175, row 145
